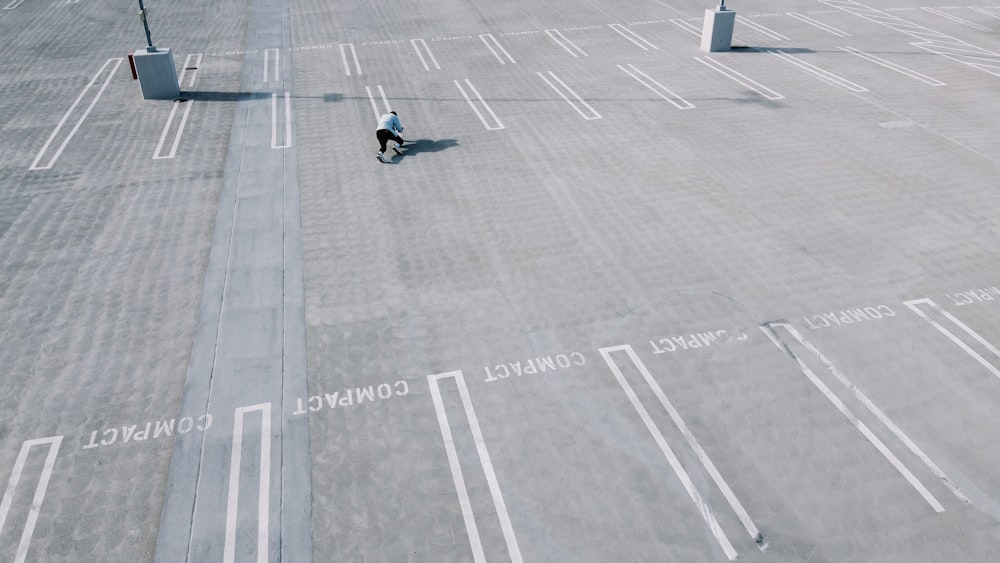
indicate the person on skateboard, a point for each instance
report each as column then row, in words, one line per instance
column 388, row 128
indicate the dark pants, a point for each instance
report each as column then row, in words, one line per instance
column 383, row 138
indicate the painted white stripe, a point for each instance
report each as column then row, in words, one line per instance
column 277, row 64
column 893, row 66
column 592, row 112
column 158, row 153
column 984, row 11
column 13, row 4
column 881, row 416
column 740, row 78
column 706, row 462
column 264, row 483
column 114, row 67
column 479, row 114
column 36, row 503
column 385, row 101
column 761, row 29
column 688, row 27
column 889, row 456
column 675, row 464
column 354, row 55
column 956, row 19
column 816, row 71
column 287, row 141
column 659, row 89
column 417, row 46
column 819, row 25
column 192, row 61
column 484, row 459
column 632, row 36
column 496, row 43
column 912, row 304
column 565, row 43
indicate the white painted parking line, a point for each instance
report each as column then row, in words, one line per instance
column 861, row 426
column 385, row 102
column 819, row 25
column 955, row 19
column 688, row 27
column 930, row 40
column 13, row 4
column 816, row 71
column 419, row 44
column 656, row 88
column 984, row 11
column 434, row 381
column 287, row 117
column 632, row 36
column 276, row 65
column 264, row 483
column 113, row 64
column 739, row 78
column 36, row 503
column 591, row 112
column 881, row 416
column 761, row 29
column 565, row 43
column 354, row 55
column 893, row 66
column 675, row 464
column 192, row 62
column 912, row 304
column 499, row 48
column 496, row 121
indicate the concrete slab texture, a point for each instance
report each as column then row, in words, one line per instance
column 615, row 299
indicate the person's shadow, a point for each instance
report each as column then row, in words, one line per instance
column 412, row 148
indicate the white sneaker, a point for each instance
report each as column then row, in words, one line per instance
column 381, row 158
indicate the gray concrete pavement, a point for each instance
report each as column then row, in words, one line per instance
column 617, row 300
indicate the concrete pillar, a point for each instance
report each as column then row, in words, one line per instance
column 157, row 74
column 717, row 33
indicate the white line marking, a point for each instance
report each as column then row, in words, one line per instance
column 385, row 101
column 593, row 112
column 914, row 482
column 956, row 19
column 984, row 12
column 498, row 46
column 632, row 36
column 893, row 66
column 476, row 109
column 881, row 416
column 34, row 165
column 565, row 43
column 734, row 503
column 687, row 26
column 39, row 496
column 912, row 304
column 287, row 142
column 761, row 29
column 677, row 101
column 188, row 63
column 157, row 154
column 740, row 78
column 264, row 485
column 13, row 4
column 416, row 47
column 354, row 54
column 816, row 71
column 484, row 461
column 277, row 64
column 675, row 464
column 819, row 25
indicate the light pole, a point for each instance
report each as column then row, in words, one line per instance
column 145, row 24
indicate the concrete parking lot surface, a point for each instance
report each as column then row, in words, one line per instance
column 617, row 299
